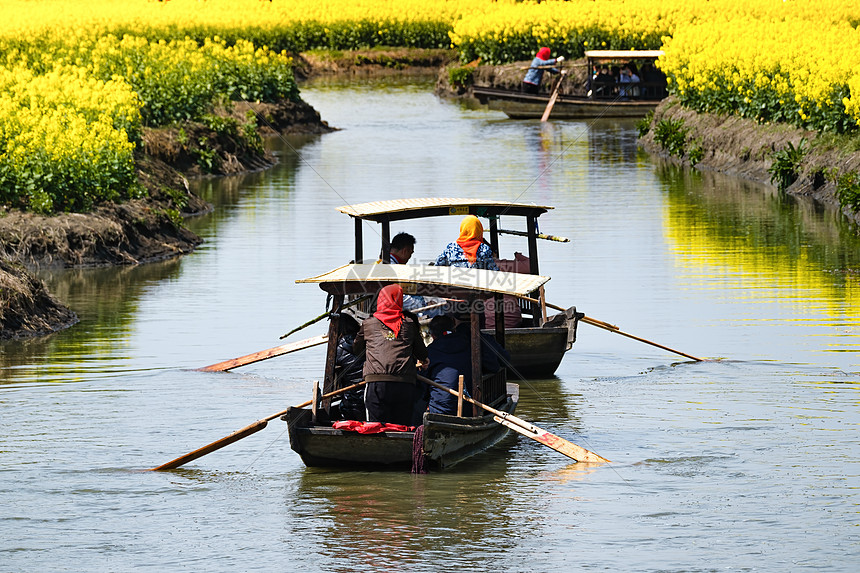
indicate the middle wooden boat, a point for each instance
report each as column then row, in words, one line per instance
column 537, row 342
column 443, row 440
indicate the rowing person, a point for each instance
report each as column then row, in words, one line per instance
column 542, row 62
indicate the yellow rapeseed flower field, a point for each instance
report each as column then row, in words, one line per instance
column 116, row 66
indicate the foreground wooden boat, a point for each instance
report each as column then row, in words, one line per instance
column 597, row 98
column 536, row 345
column 444, row 440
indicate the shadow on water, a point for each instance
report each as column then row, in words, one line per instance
column 374, row 521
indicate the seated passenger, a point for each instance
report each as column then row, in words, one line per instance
column 391, row 340
column 603, row 83
column 628, row 76
column 469, row 250
column 450, row 356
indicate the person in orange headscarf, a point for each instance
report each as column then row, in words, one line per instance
column 394, row 350
column 469, row 250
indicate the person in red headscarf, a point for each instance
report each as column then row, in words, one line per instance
column 469, row 250
column 542, row 62
column 394, row 350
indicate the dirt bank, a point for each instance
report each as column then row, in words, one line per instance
column 372, row 62
column 140, row 230
column 745, row 148
column 26, row 307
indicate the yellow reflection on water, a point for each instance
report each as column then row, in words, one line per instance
column 757, row 246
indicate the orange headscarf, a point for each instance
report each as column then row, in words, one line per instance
column 471, row 237
column 389, row 307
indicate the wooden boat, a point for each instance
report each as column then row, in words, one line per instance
column 445, row 440
column 597, row 99
column 538, row 344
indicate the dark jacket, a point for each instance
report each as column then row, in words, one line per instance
column 493, row 355
column 349, row 366
column 450, row 356
column 389, row 358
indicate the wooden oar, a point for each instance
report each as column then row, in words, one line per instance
column 265, row 354
column 613, row 328
column 539, row 235
column 242, row 433
column 553, row 97
column 529, row 430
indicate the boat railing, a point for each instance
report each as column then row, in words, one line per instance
column 494, row 387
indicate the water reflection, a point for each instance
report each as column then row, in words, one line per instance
column 736, row 235
column 371, row 521
column 107, row 302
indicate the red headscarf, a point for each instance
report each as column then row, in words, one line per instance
column 389, row 307
column 471, row 237
column 544, row 53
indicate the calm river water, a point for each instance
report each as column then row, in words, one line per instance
column 746, row 462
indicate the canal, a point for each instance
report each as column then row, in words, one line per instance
column 747, row 461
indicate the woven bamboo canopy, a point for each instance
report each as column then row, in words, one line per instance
column 427, row 280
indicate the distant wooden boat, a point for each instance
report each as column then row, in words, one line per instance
column 598, row 98
column 539, row 343
column 446, row 439
column 518, row 105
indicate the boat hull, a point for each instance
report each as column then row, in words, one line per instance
column 532, row 106
column 536, row 352
column 447, row 440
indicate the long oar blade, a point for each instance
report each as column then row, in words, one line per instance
column 615, row 329
column 552, row 98
column 217, row 445
column 243, row 433
column 612, row 328
column 265, row 354
column 549, row 439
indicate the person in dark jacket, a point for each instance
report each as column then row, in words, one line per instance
column 450, row 356
column 393, row 347
column 349, row 371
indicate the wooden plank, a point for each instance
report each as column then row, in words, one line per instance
column 432, row 278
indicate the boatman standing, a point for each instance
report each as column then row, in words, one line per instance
column 542, row 62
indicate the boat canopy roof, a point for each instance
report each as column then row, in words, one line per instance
column 399, row 209
column 622, row 55
column 427, row 280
